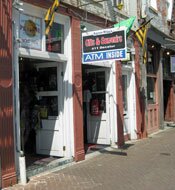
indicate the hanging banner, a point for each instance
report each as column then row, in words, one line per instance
column 102, row 45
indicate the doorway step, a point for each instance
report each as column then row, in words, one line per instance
column 91, row 148
column 39, row 164
column 169, row 124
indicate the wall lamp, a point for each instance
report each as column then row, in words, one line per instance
column 83, row 28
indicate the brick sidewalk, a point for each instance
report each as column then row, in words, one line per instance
column 148, row 164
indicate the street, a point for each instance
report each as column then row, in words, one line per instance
column 147, row 164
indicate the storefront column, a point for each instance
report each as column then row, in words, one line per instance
column 160, row 90
column 77, row 90
column 7, row 156
column 140, row 78
column 120, row 117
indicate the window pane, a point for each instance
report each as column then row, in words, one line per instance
column 55, row 39
column 48, row 106
column 47, row 79
column 97, row 81
column 101, row 97
column 166, row 66
column 151, row 90
column 151, row 64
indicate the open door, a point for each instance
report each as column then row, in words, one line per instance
column 98, row 128
column 49, row 137
column 125, row 86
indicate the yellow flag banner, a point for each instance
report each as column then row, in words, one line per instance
column 50, row 15
column 141, row 35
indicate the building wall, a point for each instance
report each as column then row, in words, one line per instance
column 77, row 90
column 6, row 98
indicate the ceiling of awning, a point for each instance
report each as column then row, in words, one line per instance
column 166, row 41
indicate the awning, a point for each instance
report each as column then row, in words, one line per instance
column 165, row 40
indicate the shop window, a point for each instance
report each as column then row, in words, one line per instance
column 47, row 79
column 166, row 67
column 55, row 39
column 97, row 81
column 151, row 62
column 48, row 106
column 97, row 86
column 151, row 90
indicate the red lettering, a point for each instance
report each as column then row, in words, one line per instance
column 111, row 40
column 89, row 42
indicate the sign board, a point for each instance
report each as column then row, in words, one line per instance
column 30, row 32
column 101, row 45
column 172, row 61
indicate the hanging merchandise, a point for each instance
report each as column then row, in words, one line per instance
column 94, row 107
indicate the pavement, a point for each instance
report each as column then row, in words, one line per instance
column 147, row 164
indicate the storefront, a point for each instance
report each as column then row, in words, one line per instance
column 43, row 86
column 168, row 85
column 109, row 115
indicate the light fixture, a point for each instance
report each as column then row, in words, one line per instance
column 17, row 5
column 168, row 53
column 152, row 46
column 83, row 28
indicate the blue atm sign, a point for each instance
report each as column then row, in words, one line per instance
column 101, row 45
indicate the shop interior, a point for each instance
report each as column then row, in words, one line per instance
column 94, row 103
column 33, row 109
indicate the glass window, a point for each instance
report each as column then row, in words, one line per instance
column 55, row 39
column 166, row 66
column 151, row 66
column 101, row 97
column 47, row 79
column 97, row 81
column 151, row 90
column 48, row 106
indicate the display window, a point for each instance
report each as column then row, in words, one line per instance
column 55, row 39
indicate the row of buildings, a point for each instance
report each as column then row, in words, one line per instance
column 53, row 104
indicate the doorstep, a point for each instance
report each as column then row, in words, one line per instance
column 39, row 169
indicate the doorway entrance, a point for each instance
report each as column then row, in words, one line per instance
column 96, row 105
column 168, row 100
column 40, row 86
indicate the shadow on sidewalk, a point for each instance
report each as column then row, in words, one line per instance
column 113, row 152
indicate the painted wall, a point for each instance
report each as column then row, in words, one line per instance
column 6, row 98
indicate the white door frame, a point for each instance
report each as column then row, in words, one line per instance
column 131, row 100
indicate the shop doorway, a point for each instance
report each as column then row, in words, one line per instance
column 40, row 86
column 168, row 97
column 128, row 98
column 96, row 105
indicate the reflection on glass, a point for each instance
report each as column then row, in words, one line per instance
column 47, row 79
column 49, row 105
column 55, row 39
